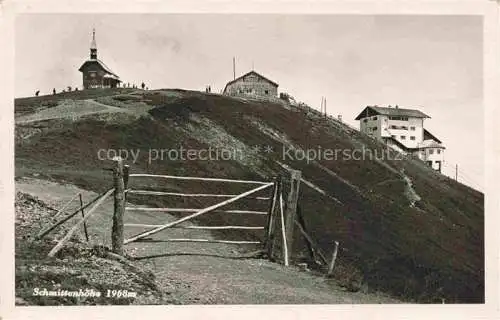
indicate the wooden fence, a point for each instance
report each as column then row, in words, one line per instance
column 288, row 213
column 96, row 202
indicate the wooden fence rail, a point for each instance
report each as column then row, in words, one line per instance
column 138, row 225
column 83, row 216
column 192, row 210
column 196, row 178
column 65, row 206
column 334, row 257
column 311, row 242
column 161, row 193
column 200, row 240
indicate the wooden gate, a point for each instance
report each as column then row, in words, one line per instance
column 196, row 212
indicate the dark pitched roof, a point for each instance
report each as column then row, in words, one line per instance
column 374, row 110
column 428, row 135
column 101, row 64
column 246, row 74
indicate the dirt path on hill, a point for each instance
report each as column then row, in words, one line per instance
column 68, row 109
column 198, row 272
column 73, row 109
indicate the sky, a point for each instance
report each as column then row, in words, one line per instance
column 432, row 63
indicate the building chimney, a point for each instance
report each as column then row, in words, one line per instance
column 396, row 106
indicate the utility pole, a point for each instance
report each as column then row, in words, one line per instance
column 325, row 107
column 456, row 172
column 234, row 68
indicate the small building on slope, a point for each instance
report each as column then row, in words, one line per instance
column 95, row 73
column 252, row 84
column 403, row 130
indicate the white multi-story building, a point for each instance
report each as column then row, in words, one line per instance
column 403, row 130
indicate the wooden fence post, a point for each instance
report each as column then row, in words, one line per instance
column 83, row 216
column 119, row 207
column 334, row 257
column 291, row 208
column 126, row 172
column 270, row 219
column 283, row 233
column 272, row 239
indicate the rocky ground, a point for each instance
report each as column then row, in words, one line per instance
column 76, row 267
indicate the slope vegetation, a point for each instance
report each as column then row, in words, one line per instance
column 402, row 227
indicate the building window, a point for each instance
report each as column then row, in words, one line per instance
column 431, row 151
column 374, row 128
column 365, row 120
column 412, row 138
column 399, row 127
column 412, row 128
column 398, row 118
column 438, row 151
column 266, row 92
column 403, row 137
column 374, row 118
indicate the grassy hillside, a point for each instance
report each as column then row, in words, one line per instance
column 402, row 227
